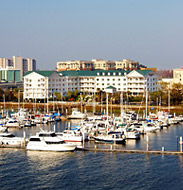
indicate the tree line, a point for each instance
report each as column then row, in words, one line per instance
column 164, row 95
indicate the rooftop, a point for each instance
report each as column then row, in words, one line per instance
column 90, row 73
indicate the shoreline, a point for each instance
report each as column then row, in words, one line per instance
column 62, row 106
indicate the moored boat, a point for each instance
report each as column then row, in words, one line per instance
column 77, row 115
column 48, row 141
column 11, row 139
column 116, row 138
column 71, row 136
column 13, row 123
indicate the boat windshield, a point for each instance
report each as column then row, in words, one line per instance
column 8, row 135
column 34, row 139
column 58, row 142
column 47, row 135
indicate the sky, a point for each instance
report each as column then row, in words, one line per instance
column 148, row 31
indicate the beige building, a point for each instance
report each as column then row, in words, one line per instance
column 127, row 64
column 74, row 65
column 168, row 81
column 101, row 64
column 18, row 63
column 178, row 76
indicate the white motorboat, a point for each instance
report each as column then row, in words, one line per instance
column 77, row 115
column 130, row 133
column 10, row 139
column 12, row 123
column 71, row 136
column 149, row 127
column 48, row 141
column 116, row 138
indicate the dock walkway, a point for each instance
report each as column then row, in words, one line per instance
column 132, row 151
column 112, row 149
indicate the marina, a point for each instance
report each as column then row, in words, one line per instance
column 95, row 129
column 82, row 169
column 76, row 153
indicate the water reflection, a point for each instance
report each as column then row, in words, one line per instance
column 46, row 160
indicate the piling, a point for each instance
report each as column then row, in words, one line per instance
column 180, row 144
column 147, row 143
column 177, row 143
column 83, row 140
column 24, row 138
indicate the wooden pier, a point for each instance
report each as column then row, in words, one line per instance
column 112, row 149
column 12, row 146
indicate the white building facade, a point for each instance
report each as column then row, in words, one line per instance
column 43, row 84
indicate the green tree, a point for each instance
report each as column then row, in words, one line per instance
column 57, row 95
column 161, row 93
column 69, row 94
column 176, row 94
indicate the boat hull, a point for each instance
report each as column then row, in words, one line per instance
column 42, row 147
column 117, row 141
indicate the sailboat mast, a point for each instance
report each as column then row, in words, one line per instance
column 101, row 102
column 146, row 101
column 169, row 100
column 121, row 98
column 107, row 111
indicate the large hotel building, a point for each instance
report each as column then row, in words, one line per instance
column 94, row 64
column 43, row 84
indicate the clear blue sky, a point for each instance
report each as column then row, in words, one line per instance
column 148, row 31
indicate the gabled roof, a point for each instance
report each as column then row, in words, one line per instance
column 43, row 73
column 110, row 87
column 90, row 73
column 144, row 72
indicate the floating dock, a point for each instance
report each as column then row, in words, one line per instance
column 12, row 146
column 112, row 149
column 132, row 151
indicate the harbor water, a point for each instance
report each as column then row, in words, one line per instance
column 21, row 169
